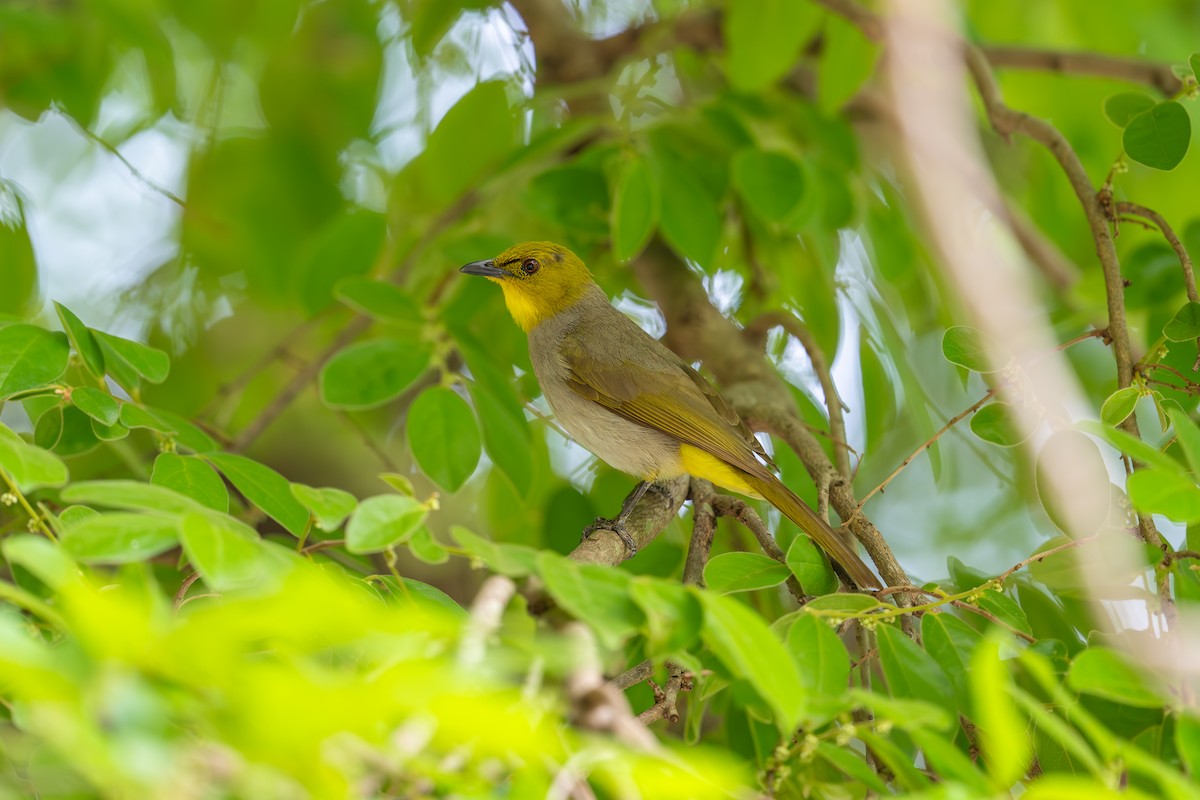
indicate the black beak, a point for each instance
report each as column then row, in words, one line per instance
column 487, row 269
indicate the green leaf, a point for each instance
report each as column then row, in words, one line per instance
column 46, row 560
column 505, row 434
column 1119, row 405
column 1155, row 491
column 689, row 219
column 1001, row 731
column 843, row 602
column 1132, row 446
column 264, row 487
column 126, row 355
column 911, row 671
column 369, row 374
column 384, row 521
column 226, row 553
column 898, row 762
column 399, row 482
column 109, row 433
column 1123, row 107
column 1101, row 672
column 426, row 548
column 770, row 184
column 951, row 763
column 77, row 436
column 1159, row 137
column 1188, row 436
column 1187, row 727
column 444, row 437
column 82, row 340
column 951, row 642
column 847, row 61
column 30, row 357
column 29, row 466
column 120, row 537
column 383, row 300
column 329, row 507
column 741, row 639
column 634, row 208
column 170, row 425
column 190, row 476
column 597, row 595
column 19, row 294
column 965, row 346
column 49, row 428
column 673, row 614
column 130, row 495
column 763, row 39
column 457, row 157
column 347, row 245
column 1185, row 324
column 1194, row 63
column 743, row 572
column 513, row 560
column 811, row 567
column 994, row 424
column 849, row 762
column 820, row 656
column 100, row 406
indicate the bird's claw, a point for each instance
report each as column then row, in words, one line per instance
column 617, row 526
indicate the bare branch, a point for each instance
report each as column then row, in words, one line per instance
column 1155, row 75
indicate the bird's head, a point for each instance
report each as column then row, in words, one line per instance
column 539, row 279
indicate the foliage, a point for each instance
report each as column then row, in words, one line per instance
column 267, row 541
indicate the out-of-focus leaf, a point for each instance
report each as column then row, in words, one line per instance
column 572, row 197
column 1185, row 324
column 634, row 207
column 811, row 567
column 897, row 761
column 264, row 487
column 1187, row 737
column 688, row 219
column 1123, row 107
column 77, row 436
column 427, row 549
column 348, row 245
column 384, row 521
column 125, row 357
column 743, row 572
column 383, row 300
column 130, row 495
column 994, row 423
column 749, row 650
column 1188, row 436
column 16, row 254
column 170, row 425
column 1001, row 730
column 513, row 560
column 951, row 763
column 1119, row 405
column 673, row 614
column 82, row 340
column 771, row 184
column 1156, row 491
column 100, row 406
column 1101, row 672
column 849, row 762
column 1159, row 137
column 1132, row 446
column 190, row 476
column 30, row 357
column 763, row 39
column 120, row 537
column 225, row 552
column 444, row 437
column 43, row 558
column 1076, row 462
column 456, row 156
column 368, row 374
column 30, row 466
column 329, row 507
column 599, row 596
column 847, row 61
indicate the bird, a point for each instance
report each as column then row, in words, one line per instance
column 631, row 401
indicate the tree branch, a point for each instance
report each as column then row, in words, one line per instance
column 1155, row 75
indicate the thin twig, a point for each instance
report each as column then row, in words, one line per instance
column 1153, row 74
column 112, row 150
column 704, row 524
column 183, row 589
column 726, row 506
column 1036, row 557
column 666, row 696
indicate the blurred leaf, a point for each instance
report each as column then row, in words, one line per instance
column 673, row 614
column 30, row 466
column 763, row 39
column 1101, row 672
column 1123, row 107
column 743, row 572
column 1119, row 405
column 444, row 437
column 82, row 340
column 120, row 537
column 225, row 552
column 897, row 762
column 1156, row 491
column 76, row 436
column 965, row 346
column 192, row 477
column 126, row 357
column 16, row 254
column 347, row 246
column 513, row 560
column 30, row 357
column 1159, row 137
column 427, row 549
column 170, row 425
column 811, row 567
column 689, row 219
column 599, row 596
column 384, row 521
column 130, row 495
column 1185, row 324
column 951, row 763
column 849, row 762
column 847, row 61
column 399, row 482
column 572, row 197
column 371, row 373
column 329, row 507
column 265, row 488
column 1187, row 733
column 911, row 671
column 456, row 156
column 40, row 556
column 634, row 207
column 771, row 184
column 1076, row 462
column 1188, row 436
column 1001, row 730
column 749, row 650
column 820, row 656
column 1132, row 446
column 994, row 424
column 382, row 300
column 100, row 406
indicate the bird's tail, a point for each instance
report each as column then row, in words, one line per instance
column 818, row 529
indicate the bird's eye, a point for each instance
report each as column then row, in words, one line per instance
column 529, row 266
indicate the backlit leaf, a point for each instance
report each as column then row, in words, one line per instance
column 30, row 357
column 384, row 521
column 192, row 477
column 264, row 487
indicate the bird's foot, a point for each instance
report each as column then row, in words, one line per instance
column 617, row 526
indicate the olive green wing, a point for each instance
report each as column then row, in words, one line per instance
column 667, row 395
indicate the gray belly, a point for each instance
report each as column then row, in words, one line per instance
column 623, row 445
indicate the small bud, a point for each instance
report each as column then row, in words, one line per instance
column 8, row 499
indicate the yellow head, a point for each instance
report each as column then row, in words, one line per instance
column 539, row 279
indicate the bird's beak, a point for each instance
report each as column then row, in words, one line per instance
column 487, row 269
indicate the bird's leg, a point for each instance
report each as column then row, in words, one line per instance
column 617, row 524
